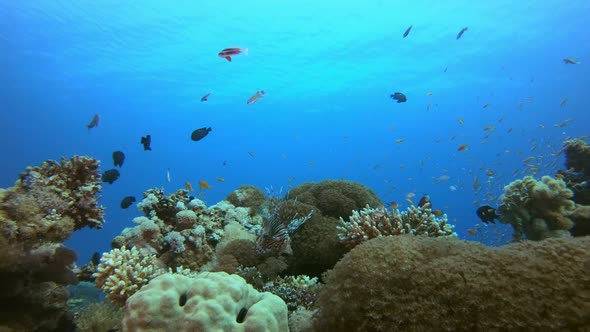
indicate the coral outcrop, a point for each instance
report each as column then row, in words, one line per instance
column 410, row 283
column 371, row 223
column 537, row 209
column 209, row 301
column 122, row 272
column 335, row 198
column 44, row 207
column 577, row 178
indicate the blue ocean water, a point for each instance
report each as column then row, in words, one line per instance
column 328, row 69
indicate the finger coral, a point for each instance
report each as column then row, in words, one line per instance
column 369, row 223
column 537, row 209
column 122, row 272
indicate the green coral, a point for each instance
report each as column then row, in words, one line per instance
column 537, row 209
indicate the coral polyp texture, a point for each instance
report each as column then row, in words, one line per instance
column 369, row 223
column 43, row 208
column 537, row 209
column 418, row 283
column 122, row 272
column 209, row 301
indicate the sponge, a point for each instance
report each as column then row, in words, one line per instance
column 209, row 301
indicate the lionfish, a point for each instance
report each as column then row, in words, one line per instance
column 275, row 236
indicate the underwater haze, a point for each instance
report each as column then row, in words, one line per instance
column 477, row 106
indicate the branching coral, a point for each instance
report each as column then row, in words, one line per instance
column 537, row 209
column 296, row 291
column 370, row 223
column 122, row 272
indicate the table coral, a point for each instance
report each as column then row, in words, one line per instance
column 370, row 223
column 537, row 209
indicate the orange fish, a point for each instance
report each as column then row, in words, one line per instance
column 472, row 232
column 255, row 97
column 437, row 213
column 226, row 53
column 204, row 185
column 94, row 122
column 462, row 147
column 188, row 186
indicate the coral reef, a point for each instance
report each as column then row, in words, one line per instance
column 577, row 178
column 122, row 272
column 316, row 246
column 335, row 198
column 537, row 209
column 100, row 317
column 370, row 223
column 411, row 283
column 44, row 207
column 248, row 197
column 296, row 291
column 209, row 301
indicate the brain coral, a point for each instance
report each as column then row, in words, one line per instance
column 335, row 198
column 209, row 301
column 432, row 284
column 537, row 209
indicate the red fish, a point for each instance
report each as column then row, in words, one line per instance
column 255, row 97
column 94, row 122
column 204, row 98
column 228, row 52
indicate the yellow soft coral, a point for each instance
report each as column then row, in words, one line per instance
column 538, row 209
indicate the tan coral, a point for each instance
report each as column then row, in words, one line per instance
column 209, row 301
column 370, row 223
column 122, row 272
column 406, row 283
column 537, row 209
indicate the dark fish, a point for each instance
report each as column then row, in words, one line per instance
column 94, row 122
column 204, row 98
column 127, row 201
column 425, row 201
column 118, row 158
column 400, row 97
column 487, row 214
column 200, row 133
column 461, row 32
column 95, row 258
column 110, row 176
column 407, row 31
column 228, row 52
column 146, row 141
